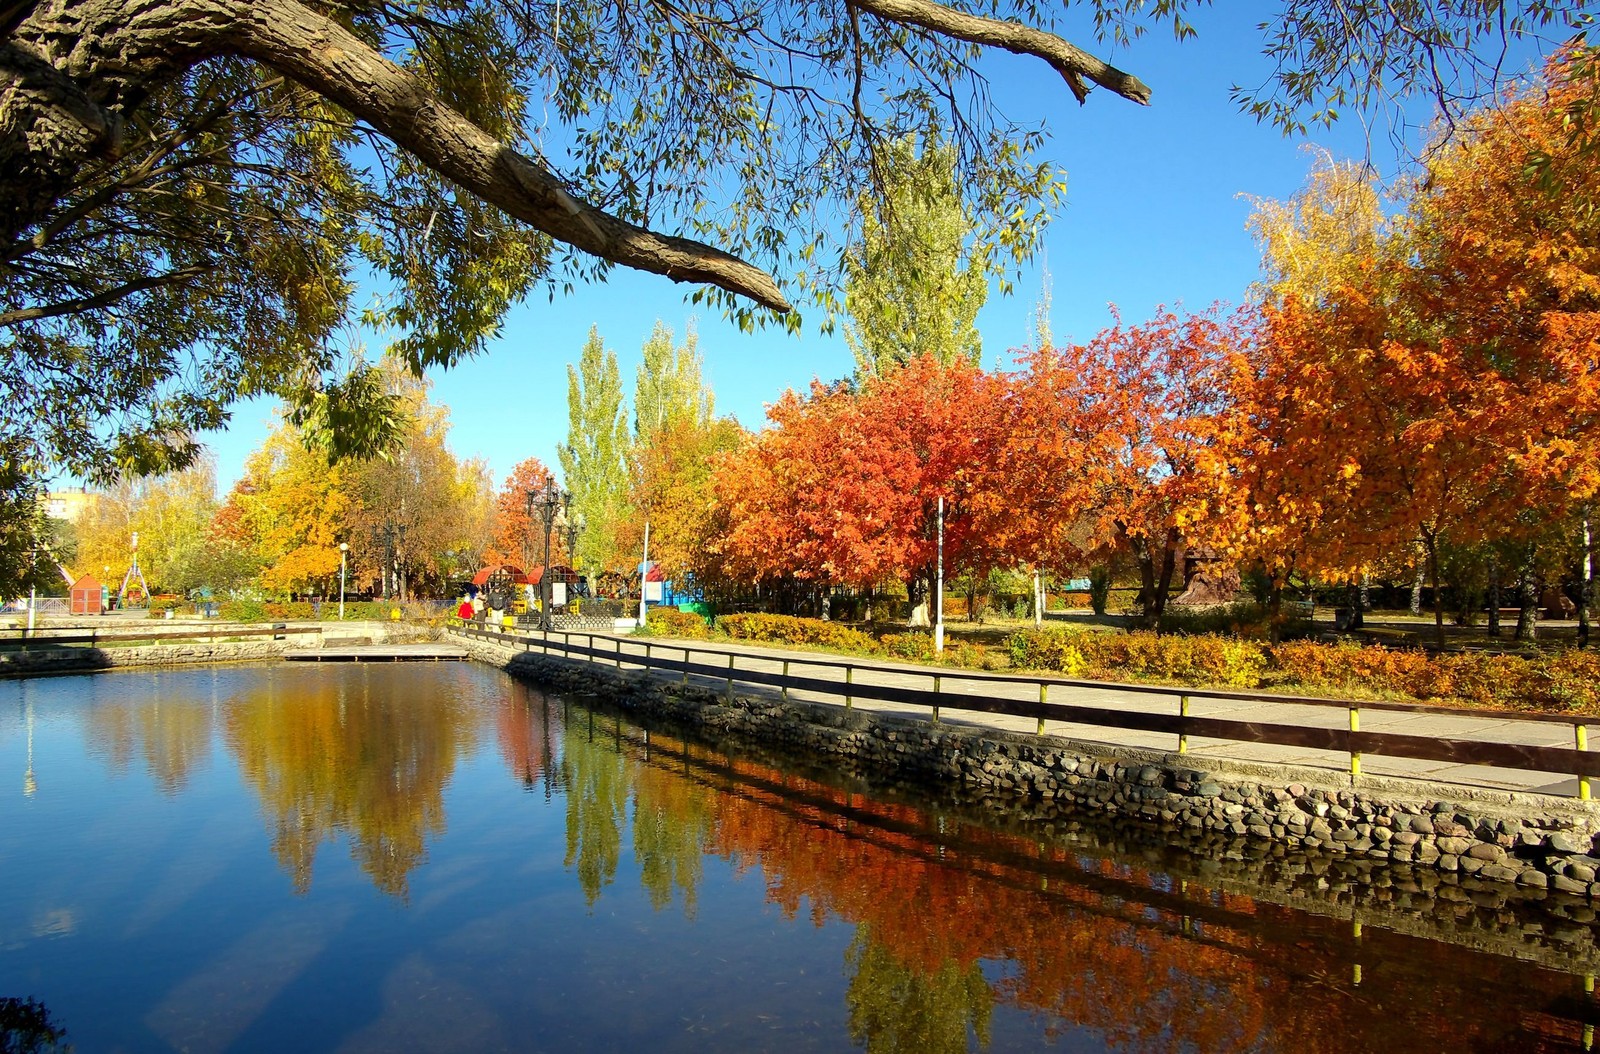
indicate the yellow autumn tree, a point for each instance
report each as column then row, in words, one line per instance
column 296, row 510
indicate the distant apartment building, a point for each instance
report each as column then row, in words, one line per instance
column 67, row 504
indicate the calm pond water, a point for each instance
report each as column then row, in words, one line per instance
column 436, row 857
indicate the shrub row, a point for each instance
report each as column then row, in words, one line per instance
column 785, row 629
column 805, row 632
column 303, row 610
column 1567, row 681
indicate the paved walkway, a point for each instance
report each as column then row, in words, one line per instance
column 1503, row 728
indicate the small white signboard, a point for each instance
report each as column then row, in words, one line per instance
column 652, row 592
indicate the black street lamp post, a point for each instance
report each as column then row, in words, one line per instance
column 549, row 500
column 574, row 525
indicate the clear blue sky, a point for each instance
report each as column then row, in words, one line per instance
column 1154, row 215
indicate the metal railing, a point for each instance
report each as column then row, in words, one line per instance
column 1347, row 738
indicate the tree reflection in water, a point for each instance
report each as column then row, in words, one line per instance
column 328, row 760
column 673, row 822
column 1089, row 942
column 957, row 924
column 592, row 770
column 898, row 1007
column 173, row 738
column 26, row 1028
column 522, row 726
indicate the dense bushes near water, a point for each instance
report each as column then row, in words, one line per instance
column 1567, row 681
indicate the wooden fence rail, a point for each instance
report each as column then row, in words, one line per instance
column 1348, row 738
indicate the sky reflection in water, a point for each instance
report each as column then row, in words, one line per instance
column 405, row 857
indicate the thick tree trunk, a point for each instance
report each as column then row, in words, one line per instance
column 1147, row 585
column 1155, row 574
column 1169, row 562
column 1275, row 611
column 1528, row 601
column 1416, row 584
column 1432, row 543
column 1355, row 601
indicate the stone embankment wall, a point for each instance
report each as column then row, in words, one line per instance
column 40, row 659
column 1533, row 844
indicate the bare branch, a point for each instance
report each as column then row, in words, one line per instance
column 1072, row 62
column 102, row 299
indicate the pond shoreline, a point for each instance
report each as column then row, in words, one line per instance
column 1485, row 850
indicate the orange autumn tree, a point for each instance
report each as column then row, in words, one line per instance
column 1283, row 451
column 1508, row 250
column 1284, row 476
column 844, row 487
column 1443, row 387
column 515, row 537
column 671, row 476
column 1120, row 427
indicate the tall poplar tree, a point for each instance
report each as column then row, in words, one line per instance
column 593, row 457
column 670, row 389
column 917, row 275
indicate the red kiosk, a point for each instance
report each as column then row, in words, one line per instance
column 87, row 596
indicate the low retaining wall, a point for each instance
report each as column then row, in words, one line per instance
column 39, row 659
column 1533, row 844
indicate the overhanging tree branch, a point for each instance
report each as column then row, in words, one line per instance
column 323, row 56
column 99, row 300
column 1072, row 62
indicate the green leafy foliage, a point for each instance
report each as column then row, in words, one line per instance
column 593, row 459
column 22, row 564
column 918, row 272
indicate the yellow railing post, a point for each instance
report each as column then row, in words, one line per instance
column 730, row 677
column 1355, row 755
column 1044, row 697
column 686, row 666
column 786, row 680
column 1582, row 734
column 935, row 698
column 1183, row 737
column 849, row 679
column 1588, row 1030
